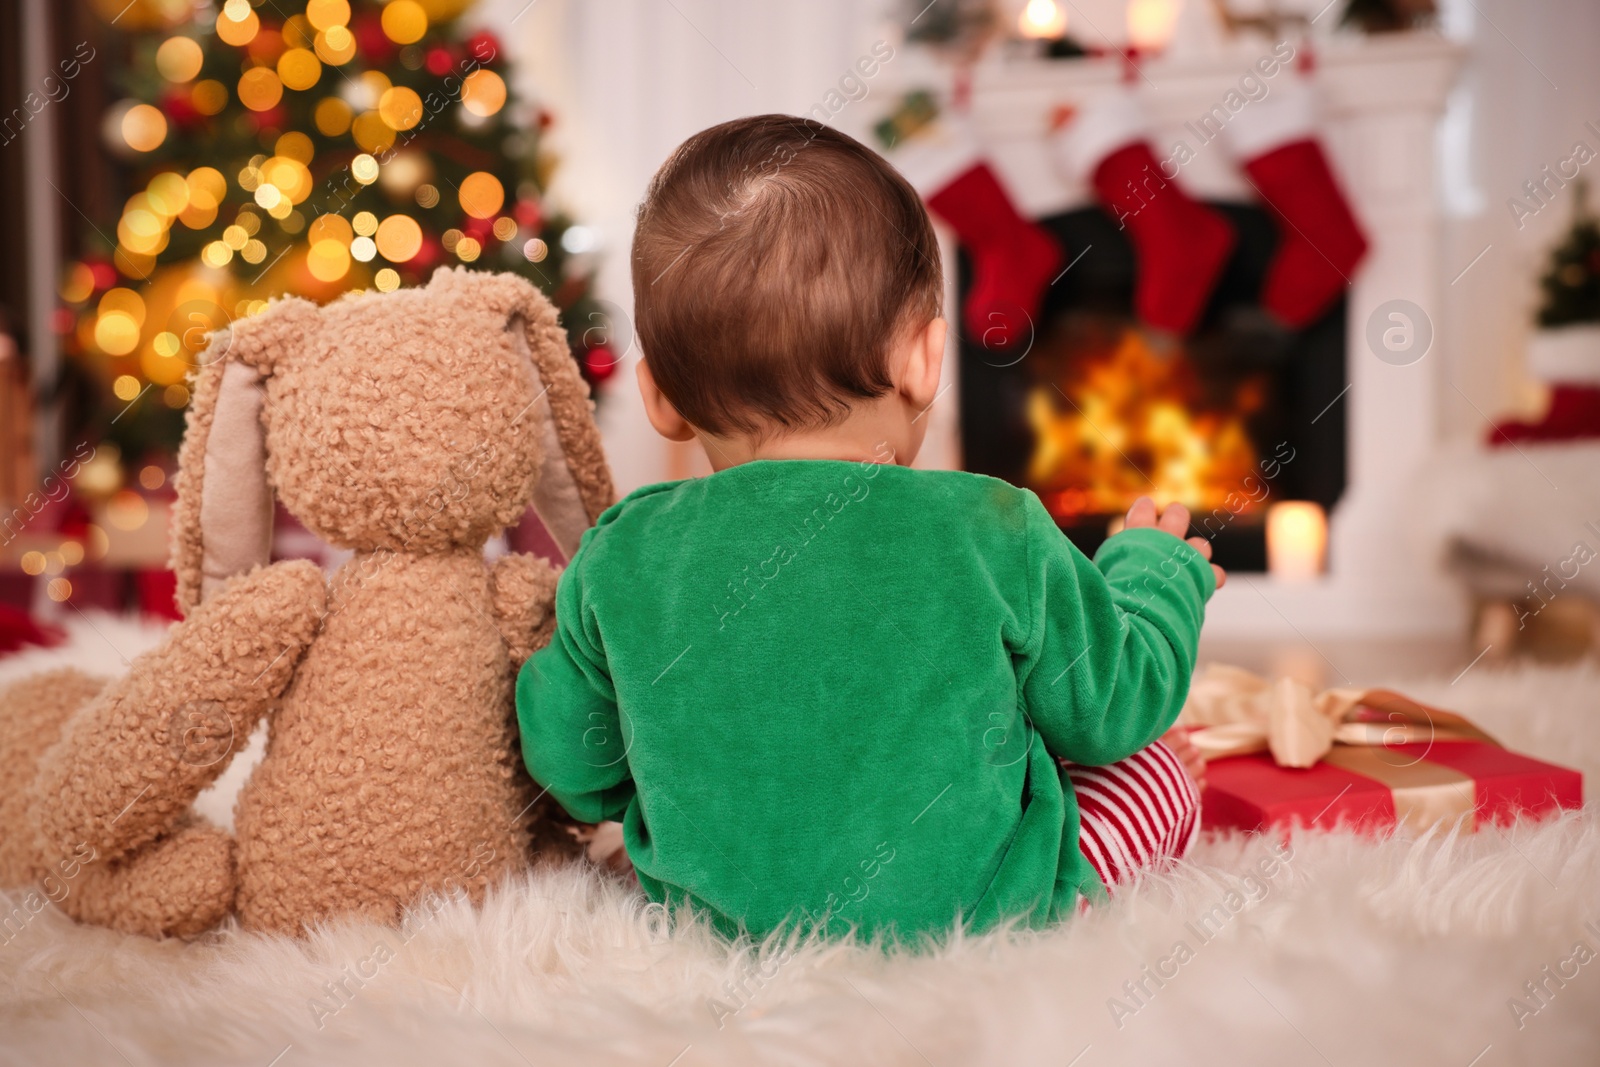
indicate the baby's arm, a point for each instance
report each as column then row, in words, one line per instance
column 1112, row 642
column 571, row 732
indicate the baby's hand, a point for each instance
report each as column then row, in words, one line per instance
column 1175, row 521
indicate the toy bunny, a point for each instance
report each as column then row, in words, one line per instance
column 409, row 428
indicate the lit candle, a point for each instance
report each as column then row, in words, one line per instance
column 1297, row 540
column 1042, row 19
column 1150, row 23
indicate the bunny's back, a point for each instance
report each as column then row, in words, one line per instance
column 391, row 766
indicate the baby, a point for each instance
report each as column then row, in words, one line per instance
column 820, row 688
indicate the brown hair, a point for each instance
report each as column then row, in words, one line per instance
column 775, row 262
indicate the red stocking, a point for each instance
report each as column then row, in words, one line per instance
column 1568, row 358
column 1574, row 412
column 1319, row 241
column 1013, row 258
column 1180, row 244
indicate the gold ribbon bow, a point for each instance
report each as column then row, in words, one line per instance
column 1238, row 712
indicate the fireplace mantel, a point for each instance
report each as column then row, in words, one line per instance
column 1381, row 99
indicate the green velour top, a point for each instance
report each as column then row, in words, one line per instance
column 832, row 694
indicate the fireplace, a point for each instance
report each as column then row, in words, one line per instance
column 1099, row 411
column 1368, row 426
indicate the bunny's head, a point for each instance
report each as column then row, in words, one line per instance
column 416, row 421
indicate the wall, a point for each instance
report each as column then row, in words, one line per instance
column 629, row 79
column 1530, row 83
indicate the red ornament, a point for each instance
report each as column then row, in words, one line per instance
column 105, row 275
column 439, row 61
column 599, row 363
column 483, row 46
column 429, row 253
column 528, row 214
column 480, row 230
column 372, row 43
column 545, row 120
column 273, row 118
column 178, row 106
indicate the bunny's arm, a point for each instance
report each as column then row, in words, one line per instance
column 132, row 761
column 522, row 590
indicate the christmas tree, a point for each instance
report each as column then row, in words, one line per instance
column 1571, row 283
column 311, row 148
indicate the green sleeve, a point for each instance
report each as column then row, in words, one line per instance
column 1112, row 643
column 567, row 709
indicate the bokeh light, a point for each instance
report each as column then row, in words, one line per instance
column 237, row 25
column 299, row 68
column 401, row 108
column 335, row 45
column 260, row 89
column 179, row 59
column 209, row 97
column 333, row 116
column 144, row 127
column 294, row 145
column 483, row 92
column 168, row 193
column 328, row 261
column 481, row 194
column 325, row 14
column 330, row 228
column 126, row 510
column 77, row 283
column 371, row 132
column 404, row 21
column 399, row 238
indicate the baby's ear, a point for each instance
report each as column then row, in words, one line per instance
column 574, row 484
column 222, row 520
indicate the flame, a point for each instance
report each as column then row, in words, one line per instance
column 1127, row 422
column 1042, row 19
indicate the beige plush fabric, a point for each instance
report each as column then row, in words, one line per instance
column 236, row 507
column 1355, row 950
column 33, row 715
column 408, row 428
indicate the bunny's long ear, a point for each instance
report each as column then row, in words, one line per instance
column 574, row 479
column 222, row 521
column 574, row 484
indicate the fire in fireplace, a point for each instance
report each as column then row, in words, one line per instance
column 1095, row 411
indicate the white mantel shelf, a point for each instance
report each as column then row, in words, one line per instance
column 1381, row 99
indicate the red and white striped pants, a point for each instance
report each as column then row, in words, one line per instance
column 1138, row 814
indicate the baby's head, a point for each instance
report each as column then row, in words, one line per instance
column 787, row 296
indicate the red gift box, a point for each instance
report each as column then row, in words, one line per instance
column 1280, row 754
column 1378, row 787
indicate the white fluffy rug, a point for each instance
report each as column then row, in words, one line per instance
column 1354, row 951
